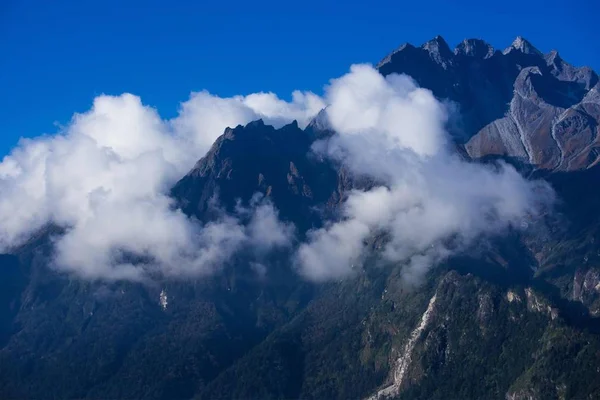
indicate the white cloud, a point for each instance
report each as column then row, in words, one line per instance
column 331, row 252
column 267, row 231
column 430, row 203
column 204, row 116
column 365, row 104
column 105, row 177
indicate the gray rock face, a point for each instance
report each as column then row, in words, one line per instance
column 474, row 48
column 586, row 289
column 522, row 45
column 532, row 108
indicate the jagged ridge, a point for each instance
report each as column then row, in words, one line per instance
column 532, row 108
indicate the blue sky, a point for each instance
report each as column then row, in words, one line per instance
column 55, row 56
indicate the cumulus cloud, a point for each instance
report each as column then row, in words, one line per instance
column 265, row 229
column 104, row 178
column 429, row 203
column 204, row 116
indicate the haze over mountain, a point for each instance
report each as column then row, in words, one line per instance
column 425, row 229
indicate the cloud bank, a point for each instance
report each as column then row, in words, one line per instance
column 105, row 177
column 430, row 203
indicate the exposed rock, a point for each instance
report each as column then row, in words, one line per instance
column 486, row 307
column 533, row 109
column 259, row 158
column 163, row 299
column 524, row 394
column 405, row 358
column 439, row 51
column 522, row 45
column 513, row 296
column 474, row 48
column 537, row 304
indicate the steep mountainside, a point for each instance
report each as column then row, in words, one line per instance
column 68, row 338
column 519, row 103
column 260, row 159
column 514, row 317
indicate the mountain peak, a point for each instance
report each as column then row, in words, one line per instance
column 553, row 57
column 256, row 123
column 389, row 57
column 437, row 45
column 474, row 48
column 438, row 40
column 523, row 45
column 438, row 50
column 320, row 121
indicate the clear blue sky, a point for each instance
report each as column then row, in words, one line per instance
column 55, row 56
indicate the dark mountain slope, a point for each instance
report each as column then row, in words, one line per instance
column 260, row 159
column 108, row 335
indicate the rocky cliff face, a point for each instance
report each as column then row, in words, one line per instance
column 260, row 159
column 533, row 108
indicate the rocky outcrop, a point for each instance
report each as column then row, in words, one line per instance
column 403, row 362
column 586, row 289
column 535, row 303
column 531, row 108
column 258, row 158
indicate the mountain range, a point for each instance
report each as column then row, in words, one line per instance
column 516, row 317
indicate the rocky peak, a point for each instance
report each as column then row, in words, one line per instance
column 523, row 45
column 258, row 158
column 474, row 48
column 553, row 58
column 320, row 120
column 439, row 51
column 387, row 59
column 319, row 127
column 259, row 123
column 524, row 82
column 584, row 76
column 511, row 101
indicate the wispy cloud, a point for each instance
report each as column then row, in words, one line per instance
column 430, row 202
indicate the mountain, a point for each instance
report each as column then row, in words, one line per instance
column 518, row 103
column 259, row 158
column 517, row 318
